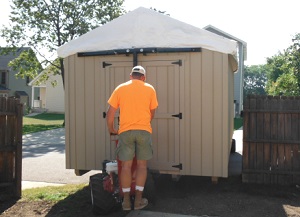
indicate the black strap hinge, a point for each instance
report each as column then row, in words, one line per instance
column 178, row 115
column 179, row 62
column 179, row 166
column 104, row 64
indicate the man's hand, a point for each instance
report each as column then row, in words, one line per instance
column 110, row 117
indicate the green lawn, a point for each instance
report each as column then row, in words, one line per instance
column 42, row 122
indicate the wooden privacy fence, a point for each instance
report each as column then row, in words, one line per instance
column 271, row 144
column 11, row 115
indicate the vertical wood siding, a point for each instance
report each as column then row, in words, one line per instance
column 200, row 88
column 211, row 114
column 271, row 146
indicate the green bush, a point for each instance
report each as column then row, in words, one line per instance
column 238, row 123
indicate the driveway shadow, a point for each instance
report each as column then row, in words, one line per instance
column 41, row 143
column 37, row 150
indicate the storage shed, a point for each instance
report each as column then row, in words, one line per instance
column 190, row 68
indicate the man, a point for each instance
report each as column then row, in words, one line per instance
column 137, row 102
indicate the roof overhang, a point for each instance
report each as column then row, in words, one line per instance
column 145, row 28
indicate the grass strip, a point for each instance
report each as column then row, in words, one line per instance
column 42, row 122
column 51, row 193
column 33, row 128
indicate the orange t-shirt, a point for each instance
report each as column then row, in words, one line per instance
column 135, row 99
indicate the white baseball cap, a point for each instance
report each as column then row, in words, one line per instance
column 138, row 69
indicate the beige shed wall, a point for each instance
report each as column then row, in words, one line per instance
column 206, row 101
column 208, row 109
column 87, row 139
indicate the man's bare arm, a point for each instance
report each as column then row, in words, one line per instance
column 152, row 113
column 110, row 117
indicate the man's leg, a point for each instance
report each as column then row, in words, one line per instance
column 126, row 183
column 141, row 173
column 144, row 152
column 141, row 176
column 126, row 174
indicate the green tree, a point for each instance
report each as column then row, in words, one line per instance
column 255, row 80
column 284, row 71
column 276, row 66
column 286, row 85
column 26, row 63
column 45, row 25
column 294, row 56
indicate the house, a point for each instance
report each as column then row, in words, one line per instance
column 4, row 92
column 239, row 75
column 50, row 94
column 192, row 71
column 10, row 85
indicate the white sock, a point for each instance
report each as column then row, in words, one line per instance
column 139, row 188
column 125, row 190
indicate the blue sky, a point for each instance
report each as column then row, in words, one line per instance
column 267, row 26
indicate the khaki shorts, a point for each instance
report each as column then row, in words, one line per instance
column 134, row 142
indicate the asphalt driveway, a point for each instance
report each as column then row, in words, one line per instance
column 44, row 159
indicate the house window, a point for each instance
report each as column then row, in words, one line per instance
column 27, row 79
column 3, row 78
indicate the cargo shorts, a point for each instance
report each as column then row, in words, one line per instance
column 134, row 143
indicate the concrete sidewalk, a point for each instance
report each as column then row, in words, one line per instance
column 32, row 184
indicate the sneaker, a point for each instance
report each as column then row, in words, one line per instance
column 140, row 205
column 126, row 206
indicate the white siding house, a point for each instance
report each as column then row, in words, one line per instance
column 51, row 98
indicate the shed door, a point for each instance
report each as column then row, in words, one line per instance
column 116, row 73
column 164, row 76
